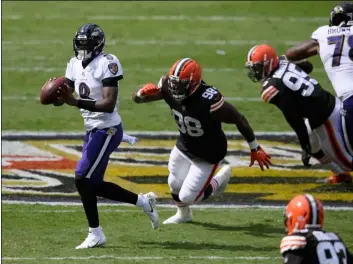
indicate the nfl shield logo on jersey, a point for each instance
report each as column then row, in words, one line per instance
column 113, row 68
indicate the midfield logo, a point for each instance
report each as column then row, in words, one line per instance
column 47, row 172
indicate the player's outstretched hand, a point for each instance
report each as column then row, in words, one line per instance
column 261, row 157
column 148, row 89
column 66, row 96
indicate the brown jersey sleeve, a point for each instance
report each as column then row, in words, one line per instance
column 269, row 91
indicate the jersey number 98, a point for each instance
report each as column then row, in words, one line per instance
column 187, row 124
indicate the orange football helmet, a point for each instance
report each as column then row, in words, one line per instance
column 262, row 60
column 303, row 212
column 184, row 78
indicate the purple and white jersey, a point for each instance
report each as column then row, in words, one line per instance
column 336, row 52
column 89, row 84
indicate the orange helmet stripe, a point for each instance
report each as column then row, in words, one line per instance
column 180, row 65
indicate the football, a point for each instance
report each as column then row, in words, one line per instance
column 48, row 92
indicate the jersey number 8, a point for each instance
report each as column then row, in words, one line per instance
column 188, row 124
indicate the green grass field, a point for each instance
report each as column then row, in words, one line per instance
column 148, row 37
column 230, row 234
column 37, row 43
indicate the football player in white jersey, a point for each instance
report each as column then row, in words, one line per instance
column 95, row 76
column 334, row 43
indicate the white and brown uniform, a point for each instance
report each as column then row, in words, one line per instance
column 201, row 144
column 301, row 97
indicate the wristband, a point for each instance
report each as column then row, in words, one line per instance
column 253, row 144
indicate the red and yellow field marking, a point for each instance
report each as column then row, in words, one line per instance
column 49, row 172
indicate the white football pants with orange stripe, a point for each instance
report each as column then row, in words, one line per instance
column 331, row 141
column 189, row 179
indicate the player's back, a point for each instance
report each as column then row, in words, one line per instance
column 296, row 93
column 200, row 135
column 336, row 52
column 314, row 247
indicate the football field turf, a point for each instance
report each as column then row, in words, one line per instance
column 49, row 234
column 148, row 37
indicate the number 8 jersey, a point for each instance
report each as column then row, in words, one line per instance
column 336, row 52
column 201, row 137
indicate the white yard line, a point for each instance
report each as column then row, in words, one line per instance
column 161, row 70
column 199, row 207
column 134, row 258
column 156, row 134
column 169, row 18
column 61, row 69
column 14, row 44
column 131, row 258
column 234, row 99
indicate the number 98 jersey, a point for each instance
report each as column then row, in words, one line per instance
column 314, row 247
column 201, row 137
column 336, row 52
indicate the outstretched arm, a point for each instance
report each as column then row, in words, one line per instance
column 149, row 93
column 230, row 115
column 145, row 96
column 303, row 50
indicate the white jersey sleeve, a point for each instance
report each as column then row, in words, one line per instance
column 69, row 74
column 111, row 67
column 319, row 33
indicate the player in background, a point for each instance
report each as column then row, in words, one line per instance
column 300, row 97
column 199, row 110
column 307, row 242
column 95, row 77
column 334, row 43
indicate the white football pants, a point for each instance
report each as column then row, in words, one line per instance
column 329, row 138
column 189, row 178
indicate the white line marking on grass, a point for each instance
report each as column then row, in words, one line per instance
column 11, row 44
column 234, row 99
column 171, row 18
column 200, row 206
column 156, row 134
column 78, row 211
column 144, row 258
column 162, row 70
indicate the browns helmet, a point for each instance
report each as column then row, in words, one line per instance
column 303, row 212
column 184, row 78
column 262, row 60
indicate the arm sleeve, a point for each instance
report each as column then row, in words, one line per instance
column 317, row 33
column 269, row 91
column 111, row 82
column 69, row 71
column 298, row 125
column 292, row 249
column 214, row 98
column 111, row 68
column 293, row 257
